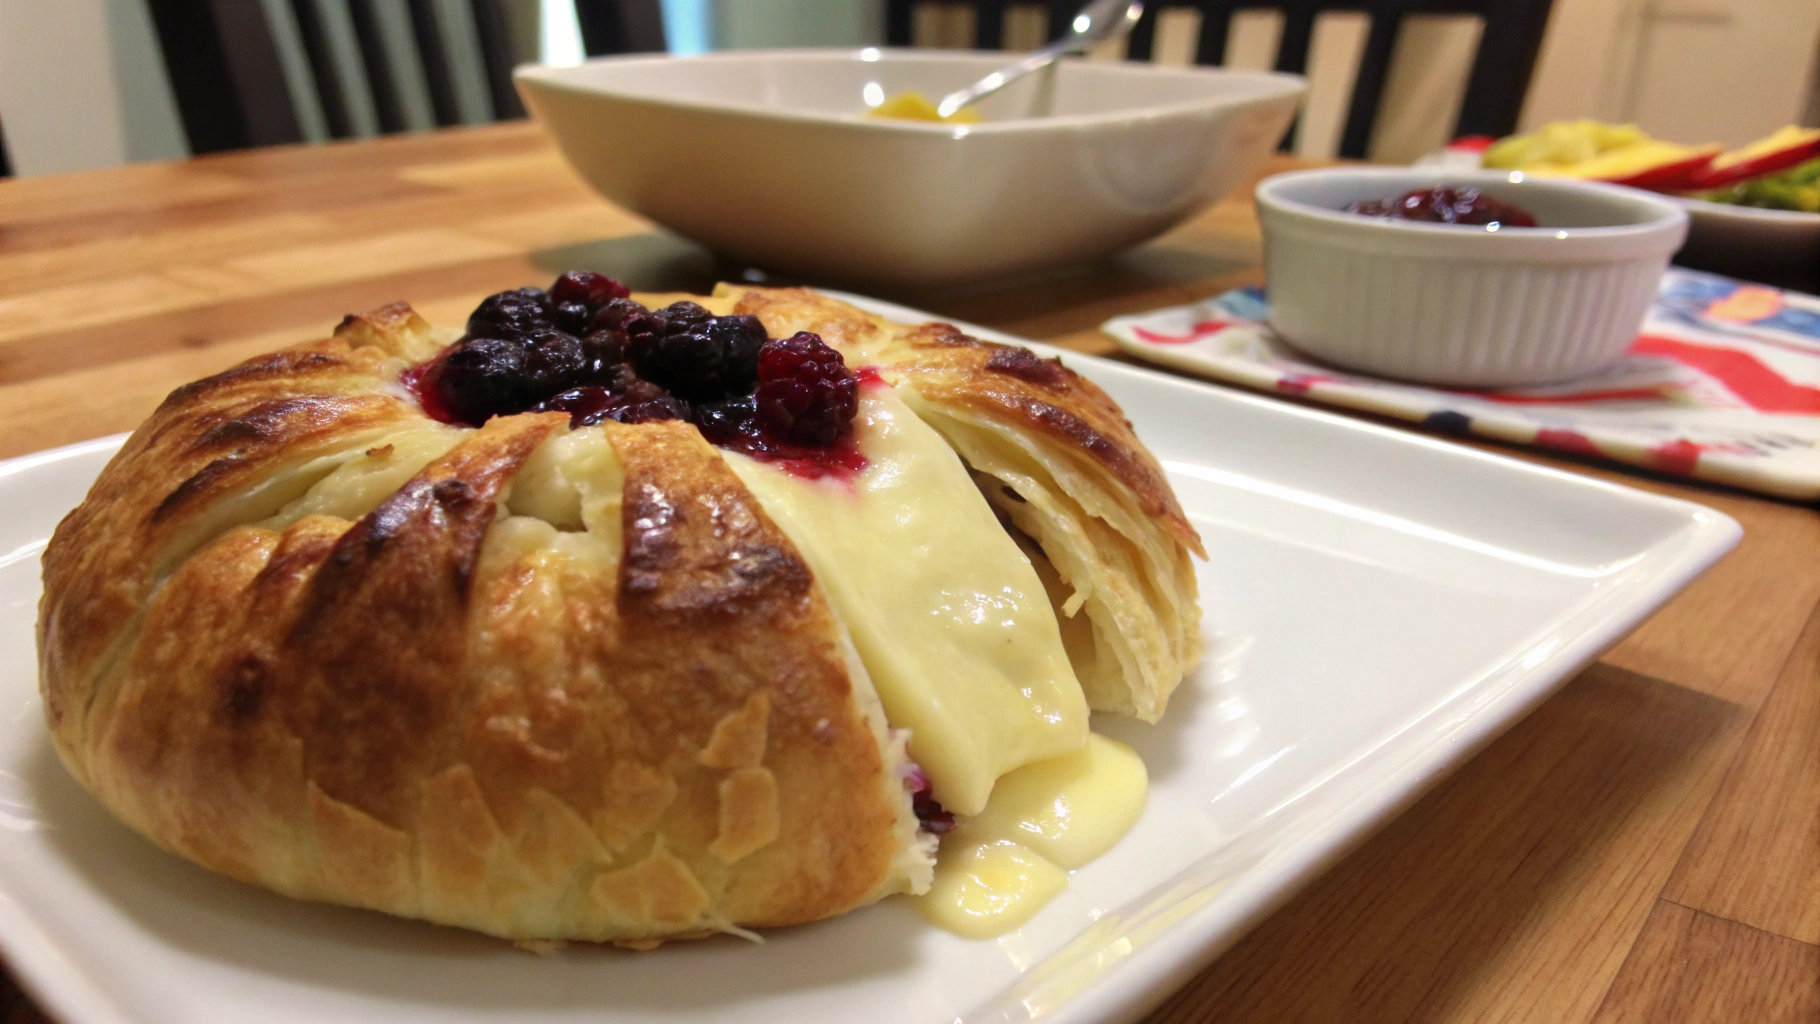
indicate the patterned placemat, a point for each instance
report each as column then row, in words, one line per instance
column 1723, row 383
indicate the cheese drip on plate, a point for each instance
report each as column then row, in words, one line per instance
column 999, row 868
column 948, row 615
column 960, row 637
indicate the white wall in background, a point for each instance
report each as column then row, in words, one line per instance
column 561, row 34
column 82, row 85
column 1723, row 70
column 1689, row 70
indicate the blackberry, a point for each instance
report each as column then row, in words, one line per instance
column 692, row 353
column 510, row 314
column 806, row 395
column 572, row 317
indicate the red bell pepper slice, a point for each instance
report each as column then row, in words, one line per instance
column 1778, row 152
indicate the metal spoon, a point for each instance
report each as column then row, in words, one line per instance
column 1096, row 23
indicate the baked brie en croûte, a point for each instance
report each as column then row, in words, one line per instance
column 610, row 619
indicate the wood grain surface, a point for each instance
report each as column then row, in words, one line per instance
column 1644, row 847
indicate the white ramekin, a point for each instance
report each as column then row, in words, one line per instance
column 1462, row 306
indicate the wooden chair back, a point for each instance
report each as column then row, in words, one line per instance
column 1508, row 45
column 263, row 72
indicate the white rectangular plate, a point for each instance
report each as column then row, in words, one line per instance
column 1379, row 605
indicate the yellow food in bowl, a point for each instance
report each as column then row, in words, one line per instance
column 914, row 106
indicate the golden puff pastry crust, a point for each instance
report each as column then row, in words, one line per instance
column 542, row 683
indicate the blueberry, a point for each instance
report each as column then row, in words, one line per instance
column 603, row 350
column 572, row 317
column 554, row 361
column 613, row 315
column 479, row 378
column 509, row 314
column 482, row 377
column 724, row 420
column 586, row 288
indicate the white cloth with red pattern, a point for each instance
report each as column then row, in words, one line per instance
column 1723, row 383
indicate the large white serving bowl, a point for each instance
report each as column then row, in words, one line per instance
column 769, row 157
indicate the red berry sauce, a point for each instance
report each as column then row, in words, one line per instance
column 934, row 817
column 841, row 460
column 415, row 380
column 1464, row 206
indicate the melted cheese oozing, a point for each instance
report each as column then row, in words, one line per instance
column 1000, row 867
column 948, row 615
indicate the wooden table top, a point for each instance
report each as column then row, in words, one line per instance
column 1645, row 846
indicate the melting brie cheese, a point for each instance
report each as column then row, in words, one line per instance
column 948, row 615
column 1000, row 867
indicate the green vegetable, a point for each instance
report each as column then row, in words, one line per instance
column 1797, row 188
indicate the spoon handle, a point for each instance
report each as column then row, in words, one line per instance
column 1035, row 60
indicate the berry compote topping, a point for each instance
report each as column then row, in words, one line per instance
column 622, row 396
column 735, row 424
column 929, row 811
column 587, row 349
column 1447, row 206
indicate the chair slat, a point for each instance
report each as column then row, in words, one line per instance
column 989, row 22
column 1298, row 35
column 1142, row 41
column 496, row 50
column 395, row 43
column 434, row 54
column 1501, row 70
column 1216, row 26
column 1368, row 85
column 465, row 61
column 620, row 26
column 1502, row 67
column 350, row 64
column 322, row 68
column 380, row 77
column 900, row 16
column 226, row 74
